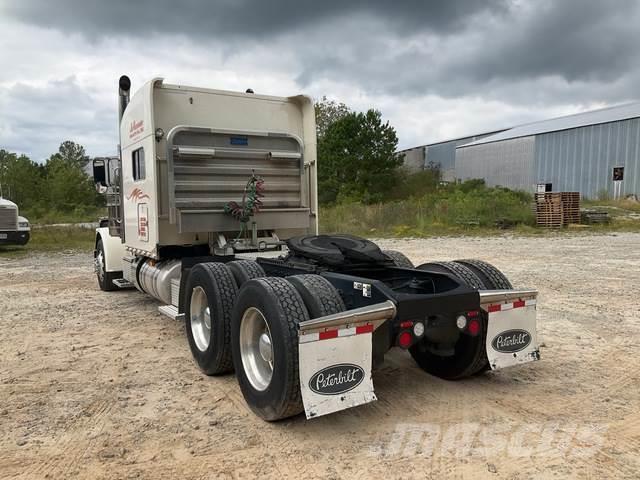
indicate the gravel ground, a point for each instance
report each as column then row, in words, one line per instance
column 100, row 385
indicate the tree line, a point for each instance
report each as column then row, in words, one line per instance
column 60, row 185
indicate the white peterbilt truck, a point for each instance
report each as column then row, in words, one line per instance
column 213, row 211
column 14, row 229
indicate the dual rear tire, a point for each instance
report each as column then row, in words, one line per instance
column 264, row 338
column 469, row 352
column 238, row 319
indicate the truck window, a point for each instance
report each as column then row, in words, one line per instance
column 138, row 164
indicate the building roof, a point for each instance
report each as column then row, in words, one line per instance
column 594, row 117
column 490, row 132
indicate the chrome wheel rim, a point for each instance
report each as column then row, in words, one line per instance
column 200, row 319
column 100, row 265
column 256, row 349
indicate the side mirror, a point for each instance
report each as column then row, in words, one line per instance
column 100, row 175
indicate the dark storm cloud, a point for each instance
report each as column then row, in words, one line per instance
column 453, row 66
column 240, row 18
column 448, row 48
column 579, row 39
column 578, row 43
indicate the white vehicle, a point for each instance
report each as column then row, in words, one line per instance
column 14, row 229
column 213, row 211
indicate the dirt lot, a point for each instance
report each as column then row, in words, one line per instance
column 100, row 385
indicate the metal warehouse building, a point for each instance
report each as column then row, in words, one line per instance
column 439, row 154
column 582, row 152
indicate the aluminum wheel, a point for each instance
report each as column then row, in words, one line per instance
column 100, row 265
column 200, row 319
column 256, row 349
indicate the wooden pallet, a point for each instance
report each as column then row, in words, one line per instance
column 557, row 209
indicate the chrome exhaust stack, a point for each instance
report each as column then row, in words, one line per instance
column 124, row 87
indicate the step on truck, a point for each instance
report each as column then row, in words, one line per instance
column 212, row 210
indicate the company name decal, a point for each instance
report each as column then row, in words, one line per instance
column 511, row 341
column 137, row 195
column 137, row 127
column 336, row 379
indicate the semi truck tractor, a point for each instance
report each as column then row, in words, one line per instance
column 213, row 210
column 14, row 229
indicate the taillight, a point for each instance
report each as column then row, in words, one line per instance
column 405, row 339
column 474, row 327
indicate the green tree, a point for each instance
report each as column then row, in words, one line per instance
column 356, row 158
column 21, row 180
column 73, row 154
column 328, row 112
column 68, row 185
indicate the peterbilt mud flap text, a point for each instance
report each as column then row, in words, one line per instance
column 335, row 369
column 511, row 333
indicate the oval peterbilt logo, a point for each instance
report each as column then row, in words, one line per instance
column 336, row 379
column 511, row 341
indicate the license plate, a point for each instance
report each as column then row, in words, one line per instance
column 3, row 236
column 511, row 334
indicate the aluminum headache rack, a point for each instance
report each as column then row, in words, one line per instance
column 205, row 172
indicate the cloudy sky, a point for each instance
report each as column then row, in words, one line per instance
column 436, row 69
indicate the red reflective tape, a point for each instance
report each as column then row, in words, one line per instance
column 407, row 324
column 328, row 334
column 364, row 329
column 518, row 304
column 494, row 308
column 472, row 314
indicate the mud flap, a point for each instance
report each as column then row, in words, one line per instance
column 511, row 333
column 335, row 369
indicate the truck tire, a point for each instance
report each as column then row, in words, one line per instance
column 245, row 270
column 210, row 294
column 492, row 278
column 461, row 272
column 264, row 337
column 319, row 296
column 470, row 355
column 399, row 258
column 105, row 279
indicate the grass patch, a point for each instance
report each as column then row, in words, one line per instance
column 81, row 214
column 467, row 208
column 53, row 239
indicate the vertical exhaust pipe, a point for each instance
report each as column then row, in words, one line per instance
column 124, row 85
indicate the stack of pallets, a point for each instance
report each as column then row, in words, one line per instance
column 557, row 209
column 571, row 207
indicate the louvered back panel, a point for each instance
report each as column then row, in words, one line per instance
column 209, row 169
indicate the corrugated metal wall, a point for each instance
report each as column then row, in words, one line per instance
column 509, row 163
column 582, row 159
column 413, row 159
column 444, row 154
